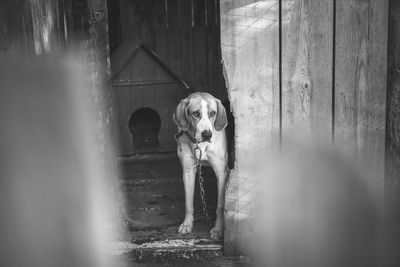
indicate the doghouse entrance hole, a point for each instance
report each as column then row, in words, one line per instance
column 144, row 125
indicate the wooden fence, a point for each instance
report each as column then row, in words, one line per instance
column 303, row 66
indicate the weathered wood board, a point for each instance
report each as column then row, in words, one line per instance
column 307, row 45
column 392, row 166
column 333, row 89
column 360, row 86
column 250, row 49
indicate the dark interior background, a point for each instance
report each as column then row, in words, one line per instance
column 161, row 51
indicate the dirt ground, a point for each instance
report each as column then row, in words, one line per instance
column 155, row 197
column 154, row 191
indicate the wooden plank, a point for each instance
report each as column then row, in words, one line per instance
column 392, row 167
column 187, row 40
column 149, row 100
column 200, row 47
column 220, row 81
column 373, row 152
column 351, row 70
column 307, row 45
column 131, row 19
column 143, row 67
column 160, row 29
column 250, row 50
column 360, row 88
column 212, row 54
column 123, row 5
column 47, row 33
column 174, row 52
column 166, row 106
column 136, row 98
column 147, row 32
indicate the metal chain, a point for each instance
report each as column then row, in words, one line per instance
column 201, row 182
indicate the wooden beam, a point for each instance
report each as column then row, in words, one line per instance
column 392, row 166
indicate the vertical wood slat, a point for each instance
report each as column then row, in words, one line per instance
column 250, row 49
column 220, row 79
column 200, row 47
column 352, row 33
column 307, row 69
column 47, row 33
column 174, row 38
column 160, row 29
column 361, row 41
column 212, row 44
column 392, row 168
column 360, row 86
column 187, row 40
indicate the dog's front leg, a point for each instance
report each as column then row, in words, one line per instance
column 221, row 171
column 189, row 172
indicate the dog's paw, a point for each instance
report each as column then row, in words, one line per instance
column 185, row 228
column 216, row 233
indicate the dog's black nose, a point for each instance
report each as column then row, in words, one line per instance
column 206, row 135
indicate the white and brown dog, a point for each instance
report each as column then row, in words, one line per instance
column 201, row 120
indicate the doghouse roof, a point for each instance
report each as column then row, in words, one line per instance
column 123, row 60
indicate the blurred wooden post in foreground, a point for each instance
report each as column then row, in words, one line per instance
column 98, row 53
column 29, row 28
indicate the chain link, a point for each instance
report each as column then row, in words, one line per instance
column 201, row 182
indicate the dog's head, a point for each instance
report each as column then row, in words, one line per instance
column 200, row 114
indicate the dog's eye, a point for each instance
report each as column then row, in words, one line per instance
column 212, row 113
column 196, row 114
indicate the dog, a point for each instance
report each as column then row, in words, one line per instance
column 201, row 120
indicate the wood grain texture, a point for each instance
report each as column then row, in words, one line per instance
column 159, row 24
column 174, row 38
column 351, row 73
column 307, row 43
column 187, row 40
column 250, row 49
column 200, row 44
column 360, row 86
column 373, row 153
column 350, row 109
column 392, row 167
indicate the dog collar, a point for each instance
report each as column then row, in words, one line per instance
column 192, row 139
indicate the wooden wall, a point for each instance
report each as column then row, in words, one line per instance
column 317, row 69
column 184, row 36
column 392, row 174
column 183, row 33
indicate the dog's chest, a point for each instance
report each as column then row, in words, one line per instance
column 202, row 152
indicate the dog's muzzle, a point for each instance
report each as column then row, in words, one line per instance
column 206, row 135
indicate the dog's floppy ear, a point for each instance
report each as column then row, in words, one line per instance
column 179, row 117
column 221, row 121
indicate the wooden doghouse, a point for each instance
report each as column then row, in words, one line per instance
column 146, row 93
